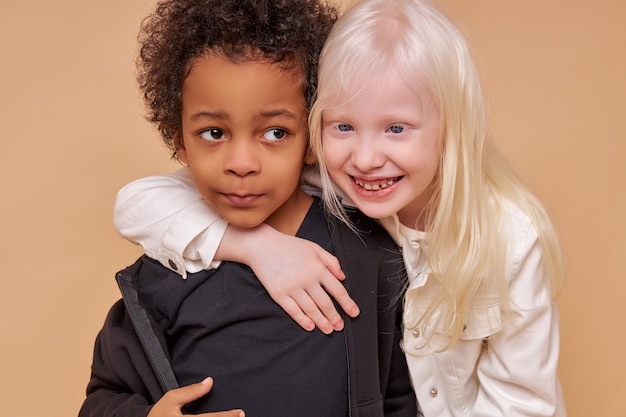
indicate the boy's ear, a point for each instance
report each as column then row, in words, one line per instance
column 309, row 157
column 181, row 152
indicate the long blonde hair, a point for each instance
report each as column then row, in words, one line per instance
column 467, row 241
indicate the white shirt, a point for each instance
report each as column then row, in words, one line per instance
column 496, row 369
column 167, row 216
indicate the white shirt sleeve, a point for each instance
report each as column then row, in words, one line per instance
column 518, row 368
column 167, row 216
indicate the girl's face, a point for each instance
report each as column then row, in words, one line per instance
column 382, row 148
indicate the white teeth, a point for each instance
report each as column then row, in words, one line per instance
column 376, row 187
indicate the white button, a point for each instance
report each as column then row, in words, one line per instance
column 434, row 392
column 416, row 333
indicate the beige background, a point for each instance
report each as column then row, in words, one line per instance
column 73, row 134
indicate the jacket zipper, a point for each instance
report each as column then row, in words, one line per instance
column 150, row 344
column 345, row 333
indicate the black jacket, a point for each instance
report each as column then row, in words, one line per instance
column 131, row 368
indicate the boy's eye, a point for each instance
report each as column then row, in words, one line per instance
column 274, row 135
column 344, row 127
column 212, row 134
column 396, row 128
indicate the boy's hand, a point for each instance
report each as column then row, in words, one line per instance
column 301, row 277
column 173, row 401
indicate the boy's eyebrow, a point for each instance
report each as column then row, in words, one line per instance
column 208, row 115
column 276, row 113
column 261, row 115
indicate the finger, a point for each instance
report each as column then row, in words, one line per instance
column 189, row 393
column 230, row 413
column 339, row 293
column 194, row 391
column 310, row 308
column 294, row 311
column 330, row 262
column 325, row 310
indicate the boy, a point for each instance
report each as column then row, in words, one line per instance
column 229, row 84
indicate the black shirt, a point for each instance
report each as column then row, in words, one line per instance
column 222, row 323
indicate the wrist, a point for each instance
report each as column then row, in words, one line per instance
column 241, row 244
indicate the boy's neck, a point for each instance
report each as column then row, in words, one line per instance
column 288, row 218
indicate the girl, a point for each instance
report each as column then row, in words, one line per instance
column 481, row 325
column 399, row 125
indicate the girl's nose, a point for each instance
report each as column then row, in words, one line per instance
column 367, row 155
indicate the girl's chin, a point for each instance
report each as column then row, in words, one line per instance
column 374, row 210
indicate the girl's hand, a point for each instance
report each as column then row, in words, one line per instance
column 173, row 401
column 297, row 273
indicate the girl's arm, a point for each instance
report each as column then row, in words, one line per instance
column 170, row 220
column 297, row 273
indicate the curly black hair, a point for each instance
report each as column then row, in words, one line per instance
column 289, row 32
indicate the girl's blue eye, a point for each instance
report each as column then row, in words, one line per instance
column 212, row 134
column 396, row 129
column 274, row 135
column 344, row 127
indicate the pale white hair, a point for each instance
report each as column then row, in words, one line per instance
column 467, row 240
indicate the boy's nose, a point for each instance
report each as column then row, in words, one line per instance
column 242, row 158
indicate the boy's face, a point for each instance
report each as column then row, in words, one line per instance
column 245, row 138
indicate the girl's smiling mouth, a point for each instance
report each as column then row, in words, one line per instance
column 375, row 185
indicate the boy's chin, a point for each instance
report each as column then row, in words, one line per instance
column 246, row 223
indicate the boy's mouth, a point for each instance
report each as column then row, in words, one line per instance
column 377, row 184
column 242, row 199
